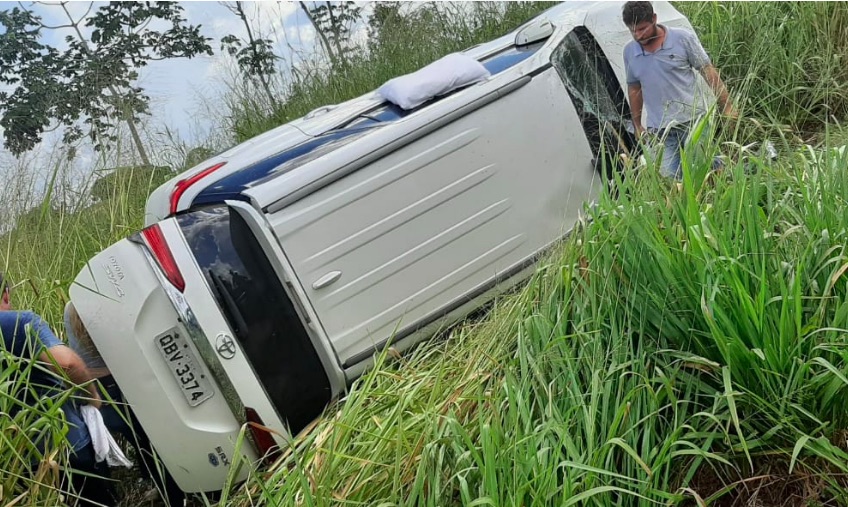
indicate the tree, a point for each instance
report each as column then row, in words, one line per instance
column 325, row 43
column 333, row 22
column 387, row 27
column 255, row 59
column 91, row 83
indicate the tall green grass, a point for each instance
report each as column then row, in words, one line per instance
column 747, row 275
column 41, row 256
column 407, row 42
column 712, row 316
column 552, row 413
column 784, row 61
column 32, row 443
column 53, row 240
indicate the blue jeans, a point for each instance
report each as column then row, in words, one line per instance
column 670, row 143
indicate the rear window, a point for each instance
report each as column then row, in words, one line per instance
column 260, row 313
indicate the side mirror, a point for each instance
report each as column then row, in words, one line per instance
column 534, row 31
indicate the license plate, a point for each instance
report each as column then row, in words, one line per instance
column 181, row 363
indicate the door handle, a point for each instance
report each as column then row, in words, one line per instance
column 327, row 279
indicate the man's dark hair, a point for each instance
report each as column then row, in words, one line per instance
column 634, row 13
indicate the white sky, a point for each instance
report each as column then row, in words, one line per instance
column 180, row 89
column 183, row 92
column 175, row 86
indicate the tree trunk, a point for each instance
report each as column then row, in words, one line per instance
column 263, row 79
column 324, row 42
column 337, row 33
column 142, row 153
column 137, row 140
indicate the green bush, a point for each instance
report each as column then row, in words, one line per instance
column 784, row 61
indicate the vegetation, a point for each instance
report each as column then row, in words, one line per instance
column 92, row 81
column 685, row 346
column 783, row 60
column 439, row 29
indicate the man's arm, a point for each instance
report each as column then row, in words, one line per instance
column 68, row 360
column 634, row 92
column 699, row 60
column 717, row 85
column 59, row 355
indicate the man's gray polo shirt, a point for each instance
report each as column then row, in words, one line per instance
column 668, row 77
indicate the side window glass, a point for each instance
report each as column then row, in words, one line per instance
column 595, row 92
column 579, row 72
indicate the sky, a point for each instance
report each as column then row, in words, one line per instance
column 184, row 92
column 175, row 86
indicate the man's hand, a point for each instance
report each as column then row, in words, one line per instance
column 730, row 116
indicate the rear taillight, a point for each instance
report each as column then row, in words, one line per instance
column 183, row 185
column 155, row 241
column 265, row 444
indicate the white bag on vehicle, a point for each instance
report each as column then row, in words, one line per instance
column 440, row 77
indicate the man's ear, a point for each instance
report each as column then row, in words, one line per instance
column 654, row 18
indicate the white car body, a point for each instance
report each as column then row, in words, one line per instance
column 398, row 230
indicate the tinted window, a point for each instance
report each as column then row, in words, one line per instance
column 260, row 313
column 495, row 64
column 510, row 57
column 230, row 187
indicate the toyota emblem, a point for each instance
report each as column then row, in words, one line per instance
column 225, row 346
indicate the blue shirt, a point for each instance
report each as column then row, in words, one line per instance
column 668, row 77
column 24, row 335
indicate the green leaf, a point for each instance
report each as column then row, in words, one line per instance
column 799, row 445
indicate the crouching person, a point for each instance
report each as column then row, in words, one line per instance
column 28, row 337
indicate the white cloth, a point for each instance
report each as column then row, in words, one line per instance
column 105, row 447
column 440, row 77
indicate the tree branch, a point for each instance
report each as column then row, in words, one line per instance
column 56, row 27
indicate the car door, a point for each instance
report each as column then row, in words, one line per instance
column 409, row 236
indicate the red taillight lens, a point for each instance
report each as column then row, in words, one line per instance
column 162, row 253
column 183, row 185
column 265, row 443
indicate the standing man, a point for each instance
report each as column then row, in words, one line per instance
column 660, row 64
column 28, row 337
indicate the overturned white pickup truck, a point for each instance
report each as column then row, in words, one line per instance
column 268, row 276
